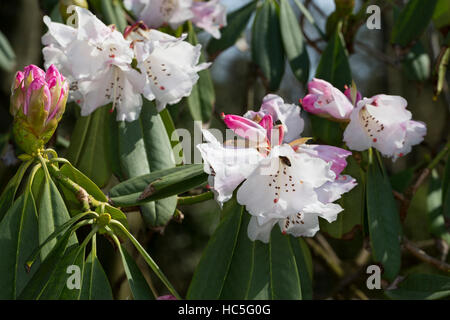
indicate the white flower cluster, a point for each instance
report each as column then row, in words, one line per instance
column 98, row 61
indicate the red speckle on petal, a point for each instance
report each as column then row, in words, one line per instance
column 283, row 232
column 78, row 101
column 208, row 186
column 111, row 110
column 162, row 88
column 112, row 55
column 344, row 178
column 300, row 101
column 222, row 115
column 275, row 200
column 374, row 140
column 400, row 154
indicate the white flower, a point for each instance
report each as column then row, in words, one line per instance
column 96, row 59
column 169, row 64
column 287, row 114
column 384, row 123
column 210, row 15
column 156, row 13
column 279, row 183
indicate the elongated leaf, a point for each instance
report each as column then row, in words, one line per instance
column 41, row 275
column 353, row 204
column 293, row 43
column 441, row 15
column 18, row 238
column 144, row 148
column 88, row 149
column 162, row 183
column 333, row 65
column 326, row 131
column 114, row 13
column 63, row 277
column 417, row 64
column 95, row 282
column 79, row 178
column 52, row 214
column 412, row 21
column 236, row 23
column 267, row 47
column 383, row 220
column 7, row 56
column 233, row 267
column 434, row 206
column 202, row 98
column 421, row 286
column 137, row 282
column 9, row 193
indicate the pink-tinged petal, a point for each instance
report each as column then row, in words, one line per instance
column 33, row 94
column 53, row 76
column 415, row 133
column 325, row 100
column 267, row 123
column 245, row 128
column 332, row 191
column 287, row 114
column 35, row 72
column 308, row 103
column 328, row 153
column 348, row 94
column 18, row 79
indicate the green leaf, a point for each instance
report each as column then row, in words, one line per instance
column 52, row 213
column 7, row 56
column 62, row 278
column 18, row 238
column 417, row 64
column 114, row 14
column 267, row 47
column 202, row 98
column 441, row 15
column 233, row 267
column 383, row 220
column 412, row 21
column 353, row 204
column 163, row 183
column 421, row 287
column 43, row 276
column 95, row 282
column 9, row 193
column 293, row 43
column 434, row 208
column 145, row 148
column 236, row 23
column 138, row 284
column 88, row 148
column 333, row 65
column 326, row 131
column 79, row 178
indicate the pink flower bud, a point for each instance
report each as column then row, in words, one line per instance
column 38, row 100
column 325, row 100
column 245, row 128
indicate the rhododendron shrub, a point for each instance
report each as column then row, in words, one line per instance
column 226, row 150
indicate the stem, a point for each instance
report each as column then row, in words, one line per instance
column 421, row 255
column 119, row 246
column 195, row 199
column 439, row 156
column 79, row 191
column 147, row 259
